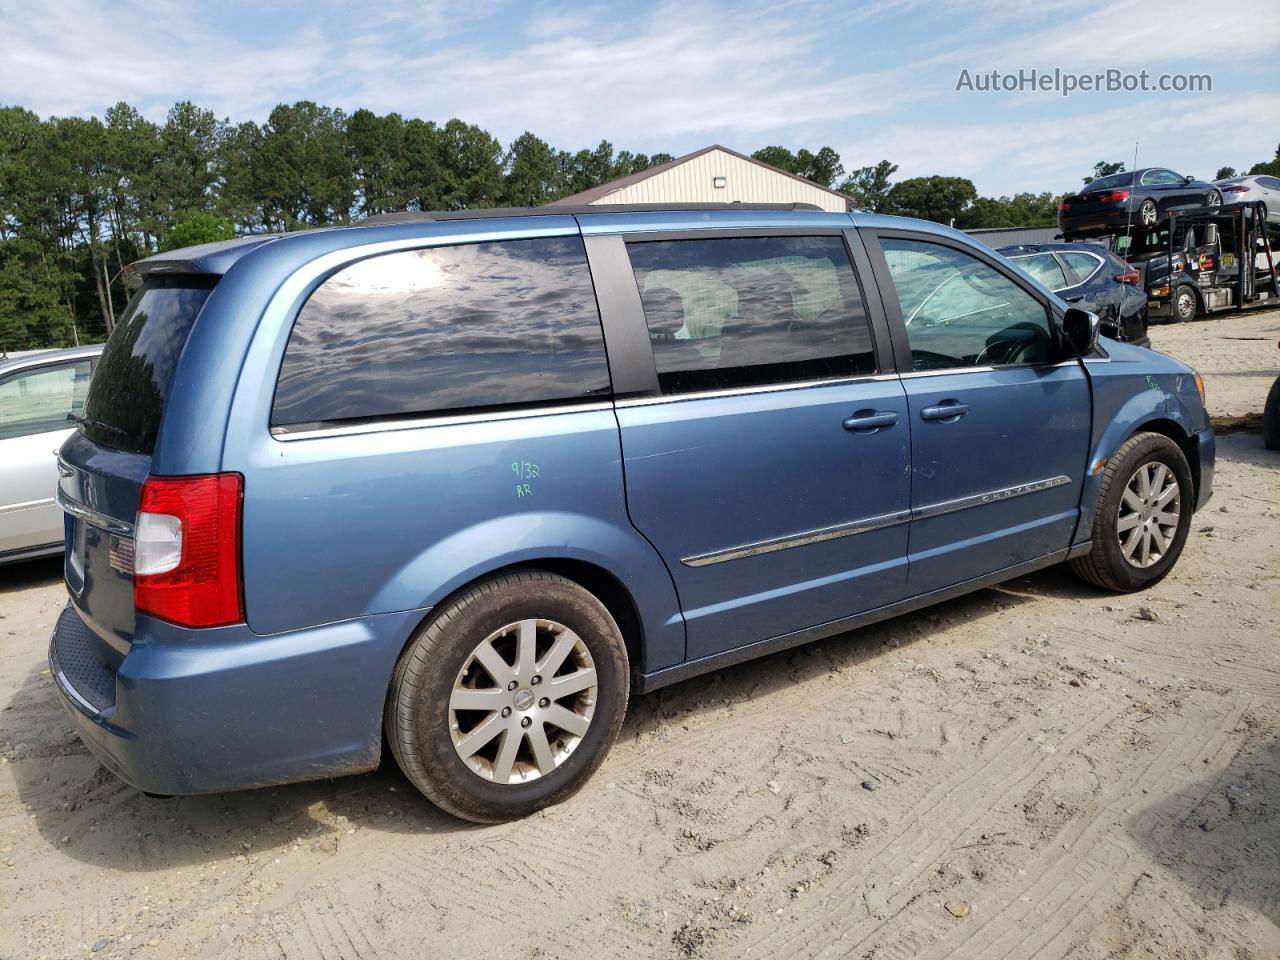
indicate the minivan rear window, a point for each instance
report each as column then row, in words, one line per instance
column 131, row 383
column 477, row 326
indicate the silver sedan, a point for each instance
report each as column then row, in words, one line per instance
column 1249, row 189
column 37, row 392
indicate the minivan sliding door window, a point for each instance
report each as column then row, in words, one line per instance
column 735, row 312
column 473, row 327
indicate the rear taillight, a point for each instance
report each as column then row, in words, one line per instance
column 1129, row 276
column 1238, row 188
column 187, row 550
column 1115, row 196
column 1064, row 206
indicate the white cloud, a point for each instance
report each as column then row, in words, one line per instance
column 1013, row 156
column 877, row 78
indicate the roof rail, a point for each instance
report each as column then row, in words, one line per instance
column 415, row 216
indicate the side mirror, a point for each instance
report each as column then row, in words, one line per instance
column 1188, row 179
column 1080, row 331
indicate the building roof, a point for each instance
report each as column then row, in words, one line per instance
column 593, row 194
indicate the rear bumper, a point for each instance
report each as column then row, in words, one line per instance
column 211, row 710
column 1207, row 446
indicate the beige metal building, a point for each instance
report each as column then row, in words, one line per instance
column 713, row 174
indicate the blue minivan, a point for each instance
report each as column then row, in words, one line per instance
column 461, row 481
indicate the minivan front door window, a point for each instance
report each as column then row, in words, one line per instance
column 960, row 312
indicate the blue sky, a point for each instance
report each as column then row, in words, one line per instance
column 875, row 80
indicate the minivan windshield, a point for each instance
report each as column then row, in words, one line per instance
column 129, row 388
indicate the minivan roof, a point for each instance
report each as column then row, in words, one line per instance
column 217, row 258
column 410, row 216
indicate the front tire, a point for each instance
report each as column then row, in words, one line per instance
column 1213, row 199
column 1185, row 306
column 1148, row 213
column 508, row 699
column 1142, row 516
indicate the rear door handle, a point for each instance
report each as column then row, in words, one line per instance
column 868, row 421
column 947, row 411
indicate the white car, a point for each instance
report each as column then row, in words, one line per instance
column 37, row 392
column 1251, row 188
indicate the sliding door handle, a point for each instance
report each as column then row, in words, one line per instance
column 947, row 411
column 867, row 421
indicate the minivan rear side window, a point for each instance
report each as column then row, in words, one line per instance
column 131, row 382
column 736, row 312
column 458, row 328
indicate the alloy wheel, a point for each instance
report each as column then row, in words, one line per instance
column 1150, row 509
column 1149, row 213
column 522, row 701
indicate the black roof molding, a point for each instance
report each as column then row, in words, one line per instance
column 497, row 213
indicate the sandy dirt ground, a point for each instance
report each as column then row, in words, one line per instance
column 1038, row 770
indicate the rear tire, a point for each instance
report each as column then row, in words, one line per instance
column 1148, row 213
column 1271, row 418
column 1126, row 556
column 1213, row 199
column 508, row 699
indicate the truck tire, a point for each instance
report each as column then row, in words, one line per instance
column 1185, row 305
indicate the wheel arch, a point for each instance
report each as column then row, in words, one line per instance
column 1126, row 424
column 604, row 584
column 1187, row 442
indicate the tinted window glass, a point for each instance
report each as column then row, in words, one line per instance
column 1160, row 178
column 1083, row 264
column 131, row 384
column 1111, row 182
column 960, row 312
column 38, row 401
column 1271, row 183
column 446, row 328
column 1045, row 269
column 750, row 311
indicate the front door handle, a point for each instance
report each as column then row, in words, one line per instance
column 868, row 421
column 948, row 411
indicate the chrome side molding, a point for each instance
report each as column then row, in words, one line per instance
column 799, row 540
column 991, row 496
column 868, row 524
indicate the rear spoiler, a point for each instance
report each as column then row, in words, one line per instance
column 207, row 258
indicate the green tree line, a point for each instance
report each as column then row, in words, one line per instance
column 81, row 198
